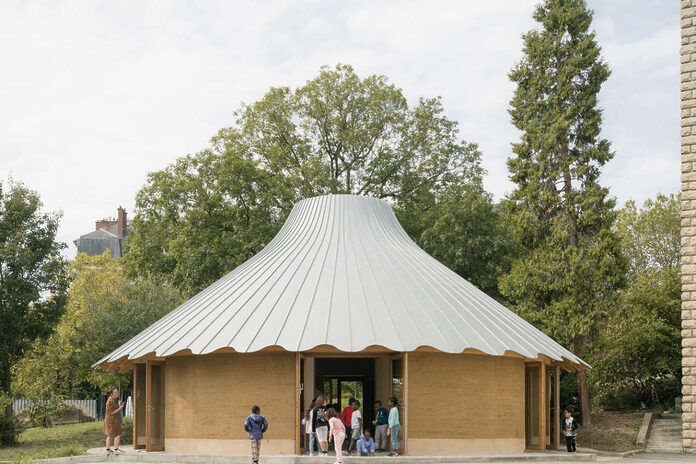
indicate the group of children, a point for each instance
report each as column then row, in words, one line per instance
column 322, row 424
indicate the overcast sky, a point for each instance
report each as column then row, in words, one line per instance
column 93, row 95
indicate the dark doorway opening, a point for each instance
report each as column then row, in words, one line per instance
column 340, row 379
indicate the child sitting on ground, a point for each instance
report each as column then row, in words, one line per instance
column 366, row 445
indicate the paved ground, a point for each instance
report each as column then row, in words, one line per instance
column 556, row 458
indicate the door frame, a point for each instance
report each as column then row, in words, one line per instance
column 404, row 401
column 148, row 406
column 136, row 411
column 543, row 411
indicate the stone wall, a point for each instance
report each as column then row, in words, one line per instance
column 688, row 148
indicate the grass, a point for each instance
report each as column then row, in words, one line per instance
column 59, row 441
column 610, row 431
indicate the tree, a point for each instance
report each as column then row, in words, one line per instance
column 104, row 310
column 207, row 213
column 33, row 281
column 637, row 355
column 571, row 265
column 465, row 231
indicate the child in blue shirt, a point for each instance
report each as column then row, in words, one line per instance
column 256, row 425
column 366, row 445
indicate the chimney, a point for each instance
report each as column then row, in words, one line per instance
column 122, row 222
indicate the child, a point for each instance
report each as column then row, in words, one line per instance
column 337, row 431
column 307, row 421
column 320, row 424
column 381, row 423
column 394, row 426
column 347, row 415
column 355, row 425
column 366, row 445
column 256, row 425
column 570, row 428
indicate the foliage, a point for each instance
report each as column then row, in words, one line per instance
column 571, row 265
column 60, row 441
column 104, row 310
column 32, row 274
column 207, row 213
column 637, row 357
column 465, row 231
column 43, row 407
column 9, row 425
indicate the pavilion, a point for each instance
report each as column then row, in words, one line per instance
column 344, row 303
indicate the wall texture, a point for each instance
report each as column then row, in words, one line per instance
column 465, row 403
column 688, row 148
column 208, row 397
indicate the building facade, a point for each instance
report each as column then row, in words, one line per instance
column 109, row 234
column 688, row 253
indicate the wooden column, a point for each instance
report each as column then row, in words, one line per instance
column 405, row 433
column 557, row 398
column 297, row 403
column 543, row 413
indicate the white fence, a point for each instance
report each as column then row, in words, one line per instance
column 88, row 406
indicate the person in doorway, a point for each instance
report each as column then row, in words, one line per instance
column 307, row 421
column 347, row 416
column 355, row 425
column 381, row 423
column 112, row 421
column 320, row 424
column 570, row 427
column 393, row 426
column 366, row 445
column 337, row 431
column 256, row 425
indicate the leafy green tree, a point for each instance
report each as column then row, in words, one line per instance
column 32, row 275
column 464, row 230
column 571, row 264
column 637, row 354
column 207, row 213
column 104, row 310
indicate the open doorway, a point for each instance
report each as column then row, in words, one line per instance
column 366, row 379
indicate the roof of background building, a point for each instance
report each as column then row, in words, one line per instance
column 98, row 241
column 342, row 272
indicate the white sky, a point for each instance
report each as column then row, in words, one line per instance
column 93, row 95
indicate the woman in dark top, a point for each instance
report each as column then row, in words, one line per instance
column 321, row 424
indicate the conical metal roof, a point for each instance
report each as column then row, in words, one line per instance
column 342, row 272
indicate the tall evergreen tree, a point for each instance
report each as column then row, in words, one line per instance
column 570, row 265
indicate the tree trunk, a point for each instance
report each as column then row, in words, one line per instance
column 583, row 391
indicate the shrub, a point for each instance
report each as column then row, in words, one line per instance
column 9, row 425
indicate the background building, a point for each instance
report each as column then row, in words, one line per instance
column 109, row 234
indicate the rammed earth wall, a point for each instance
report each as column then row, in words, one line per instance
column 688, row 149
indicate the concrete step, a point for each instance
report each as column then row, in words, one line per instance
column 664, row 450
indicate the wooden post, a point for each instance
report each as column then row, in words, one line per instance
column 542, row 406
column 148, row 403
column 135, row 409
column 297, row 403
column 557, row 397
column 405, row 369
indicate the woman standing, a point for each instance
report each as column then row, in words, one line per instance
column 320, row 424
column 394, row 426
column 112, row 421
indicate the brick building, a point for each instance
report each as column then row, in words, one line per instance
column 688, row 254
column 109, row 234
